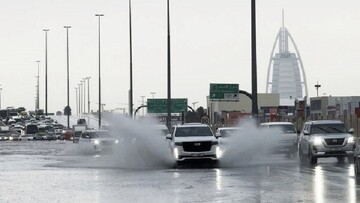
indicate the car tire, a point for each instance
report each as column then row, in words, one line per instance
column 341, row 159
column 350, row 158
column 312, row 159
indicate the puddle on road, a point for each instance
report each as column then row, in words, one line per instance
column 141, row 146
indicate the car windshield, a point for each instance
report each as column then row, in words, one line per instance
column 193, row 131
column 328, row 128
column 228, row 132
column 286, row 128
column 99, row 134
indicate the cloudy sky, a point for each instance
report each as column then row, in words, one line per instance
column 210, row 44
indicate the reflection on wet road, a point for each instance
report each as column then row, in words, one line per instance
column 41, row 172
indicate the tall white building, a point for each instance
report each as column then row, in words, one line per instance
column 286, row 74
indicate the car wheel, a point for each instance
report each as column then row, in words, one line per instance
column 350, row 158
column 312, row 159
column 341, row 159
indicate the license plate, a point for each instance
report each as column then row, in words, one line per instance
column 197, row 154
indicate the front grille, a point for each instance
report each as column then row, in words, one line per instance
column 107, row 142
column 196, row 146
column 285, row 141
column 335, row 141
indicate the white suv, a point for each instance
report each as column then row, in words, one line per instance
column 285, row 136
column 98, row 140
column 326, row 138
column 193, row 141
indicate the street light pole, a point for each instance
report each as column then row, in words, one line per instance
column 99, row 15
column 37, row 106
column 67, row 70
column 131, row 71
column 81, row 96
column 46, row 89
column 77, row 106
column 253, row 60
column 168, row 120
column 88, row 79
column 79, row 102
column 317, row 86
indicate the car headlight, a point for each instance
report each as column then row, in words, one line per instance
column 96, row 142
column 218, row 152
column 176, row 153
column 351, row 140
column 11, row 138
column 116, row 141
column 317, row 141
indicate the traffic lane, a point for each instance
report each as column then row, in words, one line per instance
column 277, row 183
column 61, row 178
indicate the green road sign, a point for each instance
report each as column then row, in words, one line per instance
column 228, row 92
column 160, row 105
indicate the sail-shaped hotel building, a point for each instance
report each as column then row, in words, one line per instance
column 286, row 74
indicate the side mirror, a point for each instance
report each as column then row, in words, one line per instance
column 351, row 130
column 306, row 132
column 168, row 136
column 217, row 135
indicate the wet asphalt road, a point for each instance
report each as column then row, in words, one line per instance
column 54, row 171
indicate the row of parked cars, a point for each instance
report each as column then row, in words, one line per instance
column 42, row 128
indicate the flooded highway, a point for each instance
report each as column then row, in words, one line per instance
column 54, row 171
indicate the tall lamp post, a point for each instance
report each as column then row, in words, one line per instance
column 37, row 106
column 253, row 60
column 168, row 120
column 317, row 86
column 85, row 94
column 77, row 99
column 46, row 89
column 88, row 80
column 81, row 97
column 67, row 70
column 79, row 102
column 131, row 74
column 99, row 15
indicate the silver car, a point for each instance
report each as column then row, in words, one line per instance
column 326, row 138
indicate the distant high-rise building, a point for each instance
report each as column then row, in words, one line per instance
column 287, row 70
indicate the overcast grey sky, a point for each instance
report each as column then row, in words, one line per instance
column 210, row 44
